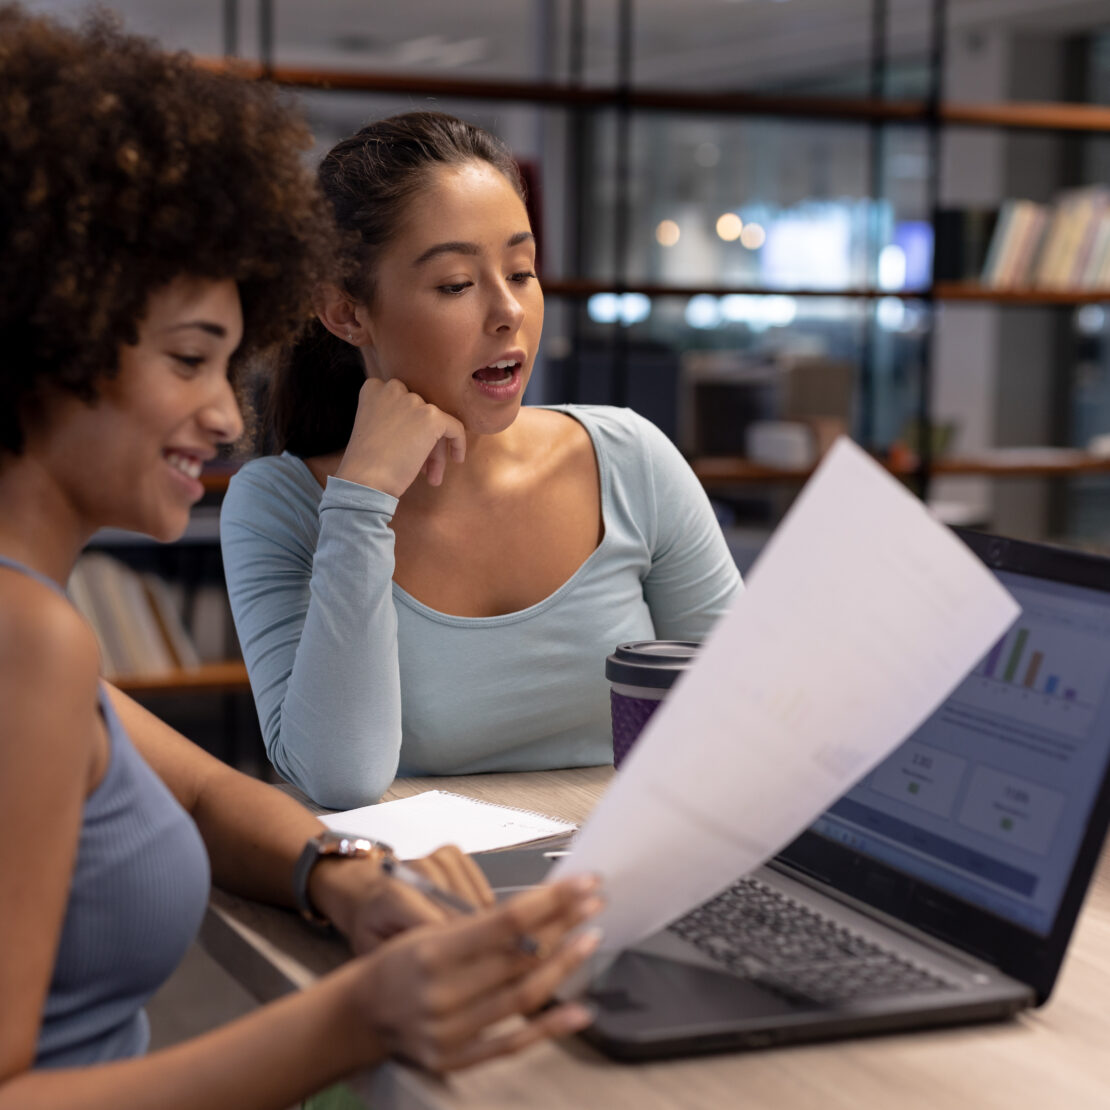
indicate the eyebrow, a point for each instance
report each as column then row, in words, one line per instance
column 218, row 330
column 457, row 246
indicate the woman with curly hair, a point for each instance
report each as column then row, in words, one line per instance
column 158, row 227
column 429, row 578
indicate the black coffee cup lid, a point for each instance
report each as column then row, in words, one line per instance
column 652, row 663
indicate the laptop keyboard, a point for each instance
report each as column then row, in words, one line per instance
column 761, row 934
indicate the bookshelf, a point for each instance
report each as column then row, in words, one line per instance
column 954, row 291
column 1018, row 116
column 229, row 676
column 983, row 294
column 162, row 621
column 160, row 611
column 215, row 478
column 1029, row 116
column 1017, row 462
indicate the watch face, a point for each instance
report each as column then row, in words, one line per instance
column 335, row 843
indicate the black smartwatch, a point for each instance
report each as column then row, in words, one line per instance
column 328, row 844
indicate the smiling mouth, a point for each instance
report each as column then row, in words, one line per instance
column 497, row 373
column 189, row 465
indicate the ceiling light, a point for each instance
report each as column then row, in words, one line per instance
column 667, row 233
column 729, row 227
column 753, row 236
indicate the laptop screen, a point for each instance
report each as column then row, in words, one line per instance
column 990, row 798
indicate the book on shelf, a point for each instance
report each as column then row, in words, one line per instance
column 87, row 592
column 992, row 264
column 1015, row 244
column 963, row 236
column 1015, row 226
column 139, row 619
column 146, row 650
column 211, row 625
column 167, row 605
column 1061, row 246
column 1096, row 267
column 1029, row 236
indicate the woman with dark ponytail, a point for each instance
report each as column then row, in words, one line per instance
column 428, row 576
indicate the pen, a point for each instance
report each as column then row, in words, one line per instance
column 403, row 873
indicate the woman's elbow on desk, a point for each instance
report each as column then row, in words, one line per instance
column 344, row 785
column 346, row 793
column 335, row 766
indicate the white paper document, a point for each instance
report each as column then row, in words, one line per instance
column 418, row 825
column 861, row 615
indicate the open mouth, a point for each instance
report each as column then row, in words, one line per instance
column 189, row 465
column 497, row 373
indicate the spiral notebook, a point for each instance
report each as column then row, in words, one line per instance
column 418, row 825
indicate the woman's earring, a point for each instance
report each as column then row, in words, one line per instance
column 350, row 336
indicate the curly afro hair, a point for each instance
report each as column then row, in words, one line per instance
column 123, row 167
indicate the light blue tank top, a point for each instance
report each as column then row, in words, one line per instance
column 139, row 889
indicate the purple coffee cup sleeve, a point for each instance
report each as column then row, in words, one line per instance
column 630, row 714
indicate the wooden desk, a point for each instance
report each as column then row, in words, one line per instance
column 1055, row 1057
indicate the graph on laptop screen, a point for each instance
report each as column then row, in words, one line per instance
column 990, row 797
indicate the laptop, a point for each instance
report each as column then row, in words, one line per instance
column 943, row 888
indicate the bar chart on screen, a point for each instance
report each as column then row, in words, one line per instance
column 1031, row 675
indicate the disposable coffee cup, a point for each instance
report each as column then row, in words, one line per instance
column 641, row 673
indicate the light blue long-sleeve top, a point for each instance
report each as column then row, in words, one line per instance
column 356, row 681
